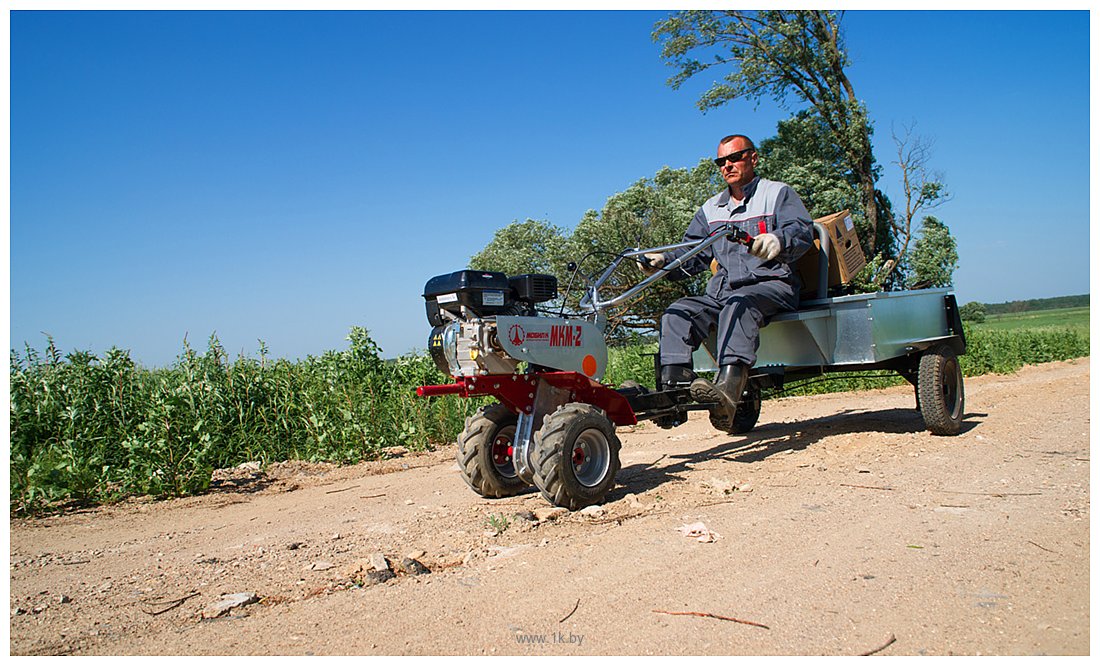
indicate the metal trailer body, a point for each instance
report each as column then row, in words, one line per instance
column 856, row 332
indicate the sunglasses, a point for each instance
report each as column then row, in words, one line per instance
column 733, row 157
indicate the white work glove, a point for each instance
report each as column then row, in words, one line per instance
column 656, row 262
column 766, row 246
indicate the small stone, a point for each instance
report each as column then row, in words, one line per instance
column 294, row 545
column 593, row 511
column 544, row 514
column 376, row 577
column 745, row 488
column 526, row 515
column 378, row 562
column 336, row 537
column 322, row 566
column 64, row 599
column 19, row 611
column 409, row 502
column 412, row 567
column 416, row 554
column 721, row 486
column 227, row 603
column 863, row 470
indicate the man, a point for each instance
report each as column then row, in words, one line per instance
column 750, row 285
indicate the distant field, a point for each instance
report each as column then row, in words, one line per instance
column 1074, row 318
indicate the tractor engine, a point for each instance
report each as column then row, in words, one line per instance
column 463, row 308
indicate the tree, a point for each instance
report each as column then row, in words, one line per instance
column 531, row 246
column 650, row 213
column 923, row 191
column 784, row 55
column 802, row 156
column 973, row 311
column 934, row 257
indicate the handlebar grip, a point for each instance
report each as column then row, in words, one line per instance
column 742, row 237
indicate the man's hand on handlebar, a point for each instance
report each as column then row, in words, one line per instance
column 766, row 246
column 651, row 262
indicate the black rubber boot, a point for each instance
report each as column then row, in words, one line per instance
column 726, row 391
column 677, row 374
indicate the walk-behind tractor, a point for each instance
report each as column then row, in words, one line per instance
column 554, row 423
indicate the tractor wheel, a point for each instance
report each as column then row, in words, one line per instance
column 940, row 390
column 485, row 452
column 576, row 456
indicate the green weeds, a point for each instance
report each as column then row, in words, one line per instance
column 88, row 429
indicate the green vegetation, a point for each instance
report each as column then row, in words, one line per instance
column 86, row 429
column 1056, row 303
column 1076, row 319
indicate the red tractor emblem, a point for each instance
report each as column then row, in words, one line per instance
column 516, row 334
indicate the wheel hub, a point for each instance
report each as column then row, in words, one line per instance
column 503, row 453
column 591, row 457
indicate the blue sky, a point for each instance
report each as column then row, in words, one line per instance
column 287, row 175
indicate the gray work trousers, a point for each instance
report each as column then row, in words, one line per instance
column 688, row 321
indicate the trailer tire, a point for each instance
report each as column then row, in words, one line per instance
column 744, row 419
column 748, row 410
column 940, row 390
column 575, row 456
column 484, row 453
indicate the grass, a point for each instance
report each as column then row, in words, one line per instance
column 1076, row 319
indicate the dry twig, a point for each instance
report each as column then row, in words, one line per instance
column 889, row 642
column 575, row 607
column 172, row 603
column 963, row 492
column 340, row 490
column 716, row 617
column 853, row 485
column 372, row 496
column 1041, row 548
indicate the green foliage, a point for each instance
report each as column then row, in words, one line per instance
column 632, row 361
column 785, row 55
column 86, row 429
column 973, row 312
column 934, row 258
column 803, row 156
column 1056, row 303
column 1073, row 318
column 532, row 246
column 651, row 212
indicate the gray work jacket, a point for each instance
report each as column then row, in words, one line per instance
column 769, row 207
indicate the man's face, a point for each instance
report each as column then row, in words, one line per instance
column 741, row 168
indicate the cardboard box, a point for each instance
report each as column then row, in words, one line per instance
column 845, row 255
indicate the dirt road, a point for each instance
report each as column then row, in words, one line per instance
column 841, row 525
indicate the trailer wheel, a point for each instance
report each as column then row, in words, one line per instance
column 575, row 456
column 485, row 452
column 748, row 410
column 940, row 390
